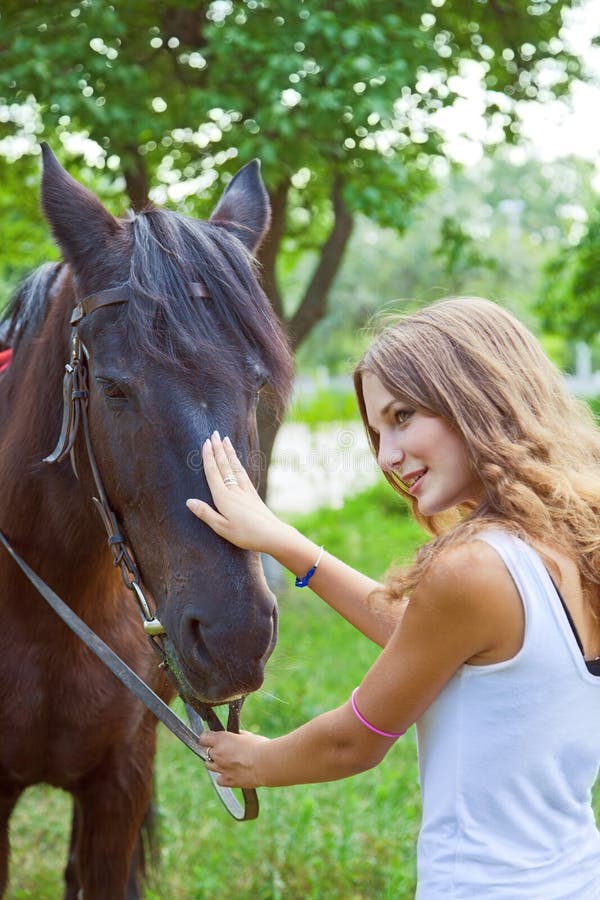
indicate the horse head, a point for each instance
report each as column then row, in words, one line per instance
column 164, row 370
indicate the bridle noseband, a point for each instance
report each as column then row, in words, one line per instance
column 75, row 415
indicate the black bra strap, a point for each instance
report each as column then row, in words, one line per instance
column 593, row 665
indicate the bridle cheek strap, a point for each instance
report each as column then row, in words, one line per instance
column 75, row 379
column 73, row 386
column 75, row 406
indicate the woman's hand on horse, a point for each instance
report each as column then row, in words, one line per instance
column 240, row 516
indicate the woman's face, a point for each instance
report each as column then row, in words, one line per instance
column 429, row 456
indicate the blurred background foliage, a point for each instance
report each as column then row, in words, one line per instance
column 348, row 104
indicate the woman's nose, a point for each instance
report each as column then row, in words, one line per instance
column 389, row 456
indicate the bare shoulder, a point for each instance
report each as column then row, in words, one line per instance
column 469, row 586
column 466, row 570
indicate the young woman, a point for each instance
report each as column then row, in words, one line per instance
column 491, row 638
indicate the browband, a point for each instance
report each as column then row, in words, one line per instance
column 122, row 294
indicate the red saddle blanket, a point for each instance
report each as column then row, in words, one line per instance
column 5, row 358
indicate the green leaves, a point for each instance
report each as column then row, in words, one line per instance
column 103, row 66
column 569, row 303
column 340, row 89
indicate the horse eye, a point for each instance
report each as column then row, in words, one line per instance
column 111, row 389
column 258, row 375
column 114, row 391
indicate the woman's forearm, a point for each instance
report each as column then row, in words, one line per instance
column 327, row 748
column 342, row 587
column 321, row 750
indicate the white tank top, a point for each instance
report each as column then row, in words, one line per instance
column 508, row 755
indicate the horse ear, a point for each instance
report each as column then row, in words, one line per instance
column 78, row 220
column 244, row 209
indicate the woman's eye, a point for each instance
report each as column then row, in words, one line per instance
column 402, row 415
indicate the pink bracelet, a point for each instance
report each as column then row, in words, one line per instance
column 361, row 718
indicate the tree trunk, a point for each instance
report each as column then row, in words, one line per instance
column 269, row 251
column 314, row 303
column 268, row 425
column 136, row 180
column 268, row 428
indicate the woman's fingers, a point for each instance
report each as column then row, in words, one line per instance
column 216, row 468
column 195, row 506
column 237, row 468
column 222, row 466
column 232, row 756
column 222, row 460
column 240, row 515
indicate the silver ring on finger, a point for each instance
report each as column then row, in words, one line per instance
column 230, row 479
column 208, row 756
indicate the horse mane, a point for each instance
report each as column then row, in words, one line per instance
column 28, row 306
column 234, row 335
column 169, row 252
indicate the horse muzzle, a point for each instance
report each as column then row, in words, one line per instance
column 219, row 664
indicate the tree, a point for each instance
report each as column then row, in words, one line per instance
column 488, row 230
column 25, row 237
column 569, row 301
column 334, row 97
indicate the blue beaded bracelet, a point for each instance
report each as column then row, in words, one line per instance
column 303, row 582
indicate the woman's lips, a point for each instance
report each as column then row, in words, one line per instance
column 416, row 481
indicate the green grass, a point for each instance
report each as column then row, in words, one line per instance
column 350, row 840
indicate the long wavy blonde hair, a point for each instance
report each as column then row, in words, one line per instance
column 535, row 447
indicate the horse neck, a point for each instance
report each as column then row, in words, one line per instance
column 44, row 508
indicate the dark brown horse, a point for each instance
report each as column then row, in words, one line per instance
column 165, row 370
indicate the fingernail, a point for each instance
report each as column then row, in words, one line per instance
column 227, row 441
column 191, row 504
column 216, row 435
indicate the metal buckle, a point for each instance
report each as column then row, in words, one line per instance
column 152, row 625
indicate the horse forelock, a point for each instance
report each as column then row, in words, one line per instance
column 232, row 328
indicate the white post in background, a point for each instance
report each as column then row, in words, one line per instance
column 583, row 360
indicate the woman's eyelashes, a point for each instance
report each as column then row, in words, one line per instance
column 401, row 416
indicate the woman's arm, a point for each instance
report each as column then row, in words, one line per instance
column 466, row 608
column 345, row 589
column 242, row 518
column 329, row 747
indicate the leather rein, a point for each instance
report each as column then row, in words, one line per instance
column 75, row 416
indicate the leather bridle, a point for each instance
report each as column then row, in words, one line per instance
column 75, row 403
column 75, row 416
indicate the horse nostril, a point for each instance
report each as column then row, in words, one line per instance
column 192, row 629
